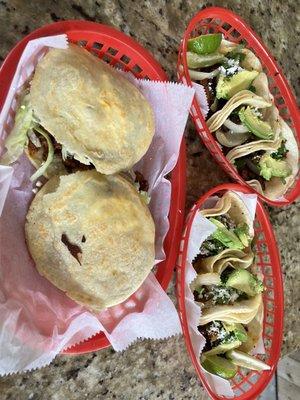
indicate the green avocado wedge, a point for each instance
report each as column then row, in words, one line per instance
column 219, row 366
column 243, row 280
column 228, row 86
column 259, row 128
column 223, row 235
column 205, row 44
column 270, row 167
column 239, row 331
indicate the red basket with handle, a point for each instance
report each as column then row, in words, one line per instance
column 245, row 385
column 233, row 28
column 119, row 50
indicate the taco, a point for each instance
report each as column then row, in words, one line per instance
column 243, row 116
column 79, row 113
column 228, row 290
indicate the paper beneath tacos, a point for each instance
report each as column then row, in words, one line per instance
column 241, row 312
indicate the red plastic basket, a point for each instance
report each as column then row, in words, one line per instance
column 217, row 19
column 123, row 52
column 245, row 386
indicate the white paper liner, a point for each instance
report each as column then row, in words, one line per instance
column 37, row 320
column 200, row 230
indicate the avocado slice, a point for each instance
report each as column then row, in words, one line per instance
column 238, row 330
column 243, row 280
column 223, row 347
column 270, row 167
column 228, row 86
column 242, row 232
column 200, row 61
column 226, row 237
column 219, row 366
column 259, row 128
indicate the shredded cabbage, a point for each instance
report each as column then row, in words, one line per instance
column 41, row 170
column 17, row 139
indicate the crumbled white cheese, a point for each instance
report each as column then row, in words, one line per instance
column 222, row 70
column 35, row 190
column 233, row 67
column 38, row 184
column 256, row 112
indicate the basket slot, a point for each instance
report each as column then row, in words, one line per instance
column 125, row 59
column 97, row 45
column 112, row 51
column 82, row 43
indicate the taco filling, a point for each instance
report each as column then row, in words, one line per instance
column 228, row 290
column 242, row 115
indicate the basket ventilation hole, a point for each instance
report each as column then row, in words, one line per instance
column 107, row 58
column 82, row 43
column 97, row 46
column 137, row 69
column 125, row 59
column 112, row 51
column 226, row 26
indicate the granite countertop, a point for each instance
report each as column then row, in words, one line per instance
column 159, row 370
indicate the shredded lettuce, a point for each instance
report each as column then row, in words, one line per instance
column 18, row 139
column 145, row 196
column 41, row 170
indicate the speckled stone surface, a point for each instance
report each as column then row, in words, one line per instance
column 159, row 370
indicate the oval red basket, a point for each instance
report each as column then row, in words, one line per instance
column 245, row 386
column 123, row 52
column 233, row 28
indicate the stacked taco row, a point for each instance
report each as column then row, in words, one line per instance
column 229, row 290
column 243, row 116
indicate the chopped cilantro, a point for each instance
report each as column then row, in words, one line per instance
column 240, row 162
column 211, row 247
column 281, row 152
column 252, row 88
column 236, row 53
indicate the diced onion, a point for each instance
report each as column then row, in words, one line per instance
column 199, row 76
column 235, row 128
column 231, row 139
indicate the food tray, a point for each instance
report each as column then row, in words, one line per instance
column 215, row 19
column 122, row 52
column 245, row 385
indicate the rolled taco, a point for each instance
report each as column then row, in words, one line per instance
column 243, row 115
column 81, row 112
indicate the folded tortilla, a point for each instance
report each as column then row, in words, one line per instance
column 231, row 203
column 241, row 312
column 92, row 236
column 227, row 257
column 91, row 109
